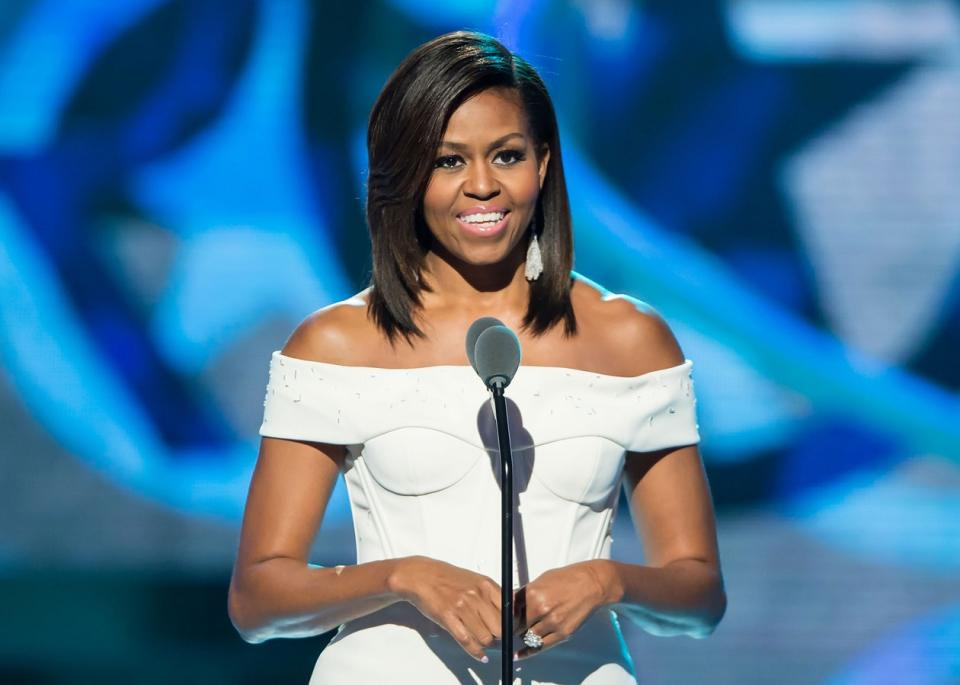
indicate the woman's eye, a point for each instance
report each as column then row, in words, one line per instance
column 511, row 156
column 446, row 162
column 504, row 157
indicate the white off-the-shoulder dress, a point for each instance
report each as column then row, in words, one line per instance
column 422, row 473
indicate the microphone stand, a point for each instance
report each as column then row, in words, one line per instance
column 506, row 529
column 494, row 352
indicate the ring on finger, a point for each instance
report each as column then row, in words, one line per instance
column 532, row 640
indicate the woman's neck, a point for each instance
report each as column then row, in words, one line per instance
column 475, row 288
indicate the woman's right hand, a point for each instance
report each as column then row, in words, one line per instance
column 464, row 603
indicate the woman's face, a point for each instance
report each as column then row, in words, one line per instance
column 486, row 179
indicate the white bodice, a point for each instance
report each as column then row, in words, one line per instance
column 422, row 466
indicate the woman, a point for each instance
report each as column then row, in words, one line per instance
column 468, row 215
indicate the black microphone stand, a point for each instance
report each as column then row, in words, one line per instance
column 494, row 352
column 506, row 530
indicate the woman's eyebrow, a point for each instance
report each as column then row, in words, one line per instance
column 497, row 143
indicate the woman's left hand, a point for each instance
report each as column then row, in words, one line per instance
column 555, row 604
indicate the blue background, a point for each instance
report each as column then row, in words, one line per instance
column 181, row 183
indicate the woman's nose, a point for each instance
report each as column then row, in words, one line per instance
column 481, row 183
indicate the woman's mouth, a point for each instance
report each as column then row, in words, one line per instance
column 484, row 224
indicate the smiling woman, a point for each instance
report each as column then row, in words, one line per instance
column 481, row 199
column 468, row 216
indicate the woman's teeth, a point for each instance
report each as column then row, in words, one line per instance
column 486, row 220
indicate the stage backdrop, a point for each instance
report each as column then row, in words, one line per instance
column 181, row 183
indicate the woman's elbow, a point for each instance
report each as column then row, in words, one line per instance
column 711, row 620
column 239, row 611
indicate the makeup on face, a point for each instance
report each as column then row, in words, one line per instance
column 486, row 180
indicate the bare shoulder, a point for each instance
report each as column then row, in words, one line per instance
column 337, row 334
column 632, row 335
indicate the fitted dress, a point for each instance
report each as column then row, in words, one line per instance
column 422, row 474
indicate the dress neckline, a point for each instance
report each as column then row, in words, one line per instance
column 449, row 367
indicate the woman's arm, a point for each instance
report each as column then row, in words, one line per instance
column 273, row 591
column 680, row 590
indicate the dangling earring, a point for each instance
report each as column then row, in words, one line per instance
column 534, row 265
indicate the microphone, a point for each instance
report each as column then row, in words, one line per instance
column 476, row 328
column 497, row 356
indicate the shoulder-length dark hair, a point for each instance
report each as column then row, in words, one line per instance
column 405, row 130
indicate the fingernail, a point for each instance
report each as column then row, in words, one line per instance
column 485, row 659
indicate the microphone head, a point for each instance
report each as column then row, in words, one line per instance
column 497, row 355
column 476, row 328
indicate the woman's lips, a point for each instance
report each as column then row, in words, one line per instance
column 482, row 229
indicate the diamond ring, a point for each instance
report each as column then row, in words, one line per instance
column 532, row 640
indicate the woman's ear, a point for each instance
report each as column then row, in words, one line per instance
column 543, row 158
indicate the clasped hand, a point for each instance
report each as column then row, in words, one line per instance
column 556, row 604
column 467, row 604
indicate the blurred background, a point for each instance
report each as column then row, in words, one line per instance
column 181, row 183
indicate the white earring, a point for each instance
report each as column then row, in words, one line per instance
column 534, row 265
